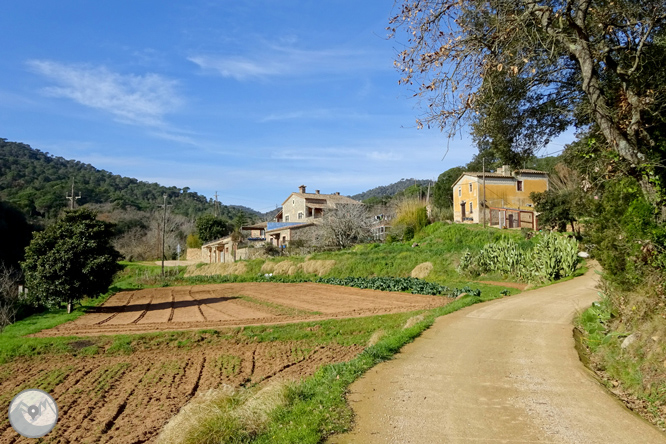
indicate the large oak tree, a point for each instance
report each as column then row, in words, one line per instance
column 522, row 71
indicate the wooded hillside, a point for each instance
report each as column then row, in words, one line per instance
column 36, row 183
column 389, row 190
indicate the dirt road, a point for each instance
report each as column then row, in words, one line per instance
column 502, row 372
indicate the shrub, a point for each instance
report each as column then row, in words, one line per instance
column 412, row 214
column 193, row 241
column 552, row 257
column 271, row 250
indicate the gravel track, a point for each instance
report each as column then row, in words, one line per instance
column 501, row 372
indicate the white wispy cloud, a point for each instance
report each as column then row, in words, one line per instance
column 272, row 60
column 384, row 156
column 319, row 114
column 135, row 99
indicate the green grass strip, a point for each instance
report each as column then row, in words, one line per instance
column 317, row 407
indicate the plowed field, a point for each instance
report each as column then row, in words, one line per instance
column 128, row 399
column 226, row 305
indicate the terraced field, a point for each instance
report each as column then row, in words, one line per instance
column 127, row 396
column 226, row 305
column 128, row 399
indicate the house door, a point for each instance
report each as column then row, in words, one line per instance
column 510, row 220
column 462, row 212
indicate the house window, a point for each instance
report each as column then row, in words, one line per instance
column 286, row 218
column 470, row 207
column 293, row 201
column 300, row 215
column 470, row 187
column 519, row 185
column 459, row 191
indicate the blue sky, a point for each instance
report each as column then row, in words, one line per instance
column 250, row 99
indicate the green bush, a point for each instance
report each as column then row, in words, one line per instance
column 624, row 234
column 193, row 241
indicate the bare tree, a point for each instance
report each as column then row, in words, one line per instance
column 9, row 295
column 346, row 225
column 143, row 241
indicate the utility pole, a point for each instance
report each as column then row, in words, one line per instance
column 72, row 198
column 484, row 193
column 164, row 231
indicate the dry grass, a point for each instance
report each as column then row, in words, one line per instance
column 376, row 337
column 319, row 267
column 422, row 271
column 407, row 211
column 223, row 415
column 217, row 269
column 285, row 267
column 413, row 321
column 268, row 267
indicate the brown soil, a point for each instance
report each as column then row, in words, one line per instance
column 226, row 305
column 128, row 399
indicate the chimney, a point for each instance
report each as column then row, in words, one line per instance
column 337, row 193
column 317, row 191
column 302, row 189
column 506, row 170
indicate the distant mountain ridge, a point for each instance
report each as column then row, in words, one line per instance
column 37, row 183
column 389, row 190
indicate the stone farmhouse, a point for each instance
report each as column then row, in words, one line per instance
column 225, row 250
column 300, row 212
column 507, row 197
column 308, row 207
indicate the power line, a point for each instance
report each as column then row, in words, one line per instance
column 72, row 198
column 164, row 231
column 550, row 154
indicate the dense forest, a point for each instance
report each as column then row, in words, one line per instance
column 37, row 184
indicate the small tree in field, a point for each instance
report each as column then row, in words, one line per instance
column 71, row 259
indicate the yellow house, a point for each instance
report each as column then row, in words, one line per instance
column 503, row 189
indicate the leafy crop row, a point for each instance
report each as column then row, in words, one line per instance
column 552, row 257
column 403, row 284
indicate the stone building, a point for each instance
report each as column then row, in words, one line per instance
column 505, row 190
column 225, row 250
column 309, row 207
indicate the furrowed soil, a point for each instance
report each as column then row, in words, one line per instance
column 128, row 399
column 232, row 305
column 107, row 396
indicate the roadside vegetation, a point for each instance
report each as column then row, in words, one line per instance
column 625, row 331
column 310, row 410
